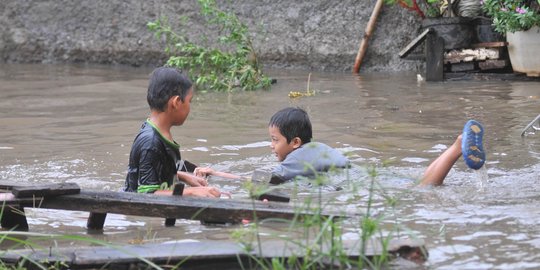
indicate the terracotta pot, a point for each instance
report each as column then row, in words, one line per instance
column 523, row 49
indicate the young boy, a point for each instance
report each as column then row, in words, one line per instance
column 155, row 157
column 291, row 133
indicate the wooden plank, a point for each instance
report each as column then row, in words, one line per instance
column 460, row 67
column 434, row 58
column 468, row 76
column 96, row 221
column 177, row 191
column 497, row 44
column 8, row 185
column 414, row 43
column 205, row 253
column 206, row 209
column 45, row 190
column 531, row 125
column 13, row 218
column 272, row 193
column 469, row 55
column 493, row 64
column 274, row 196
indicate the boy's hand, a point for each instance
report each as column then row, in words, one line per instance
column 206, row 171
column 203, row 171
column 210, row 192
column 192, row 180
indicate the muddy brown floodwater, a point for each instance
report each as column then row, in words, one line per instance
column 76, row 123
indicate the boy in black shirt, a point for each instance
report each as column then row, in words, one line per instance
column 155, row 157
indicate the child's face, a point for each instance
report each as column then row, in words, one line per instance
column 279, row 144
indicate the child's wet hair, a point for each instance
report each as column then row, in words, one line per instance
column 166, row 82
column 292, row 122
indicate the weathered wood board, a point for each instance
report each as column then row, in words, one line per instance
column 414, row 43
column 434, row 58
column 201, row 253
column 45, row 190
column 470, row 55
column 167, row 206
column 209, row 210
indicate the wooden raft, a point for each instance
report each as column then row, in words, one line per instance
column 227, row 255
column 100, row 203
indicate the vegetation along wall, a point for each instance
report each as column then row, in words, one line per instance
column 303, row 34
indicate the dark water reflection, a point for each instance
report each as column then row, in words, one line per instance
column 76, row 123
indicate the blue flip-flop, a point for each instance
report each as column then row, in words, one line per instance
column 471, row 145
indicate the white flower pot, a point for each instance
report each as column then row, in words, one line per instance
column 524, row 51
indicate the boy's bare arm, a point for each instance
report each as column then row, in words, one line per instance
column 210, row 192
column 207, row 171
column 192, row 180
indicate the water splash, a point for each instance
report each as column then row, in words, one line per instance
column 482, row 178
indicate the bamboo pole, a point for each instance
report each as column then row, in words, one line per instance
column 369, row 30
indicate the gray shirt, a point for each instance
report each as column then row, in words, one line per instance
column 308, row 159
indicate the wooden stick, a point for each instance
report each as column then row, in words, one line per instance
column 369, row 30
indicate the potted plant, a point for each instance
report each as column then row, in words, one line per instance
column 519, row 20
column 451, row 20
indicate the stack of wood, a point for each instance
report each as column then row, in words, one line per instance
column 480, row 57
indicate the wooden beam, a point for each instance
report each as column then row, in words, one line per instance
column 203, row 254
column 96, row 221
column 205, row 209
column 461, row 67
column 13, row 218
column 468, row 76
column 497, row 44
column 268, row 181
column 493, row 64
column 414, row 43
column 45, row 190
column 8, row 185
column 434, row 58
column 470, row 55
column 177, row 191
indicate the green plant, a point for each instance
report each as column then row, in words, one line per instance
column 513, row 15
column 213, row 68
column 319, row 240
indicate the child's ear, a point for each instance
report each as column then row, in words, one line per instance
column 297, row 142
column 173, row 101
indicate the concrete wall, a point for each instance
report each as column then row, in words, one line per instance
column 304, row 34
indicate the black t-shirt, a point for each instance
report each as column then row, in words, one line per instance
column 153, row 160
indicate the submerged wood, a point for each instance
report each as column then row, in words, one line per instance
column 203, row 253
column 46, row 190
column 168, row 206
column 205, row 209
column 272, row 192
